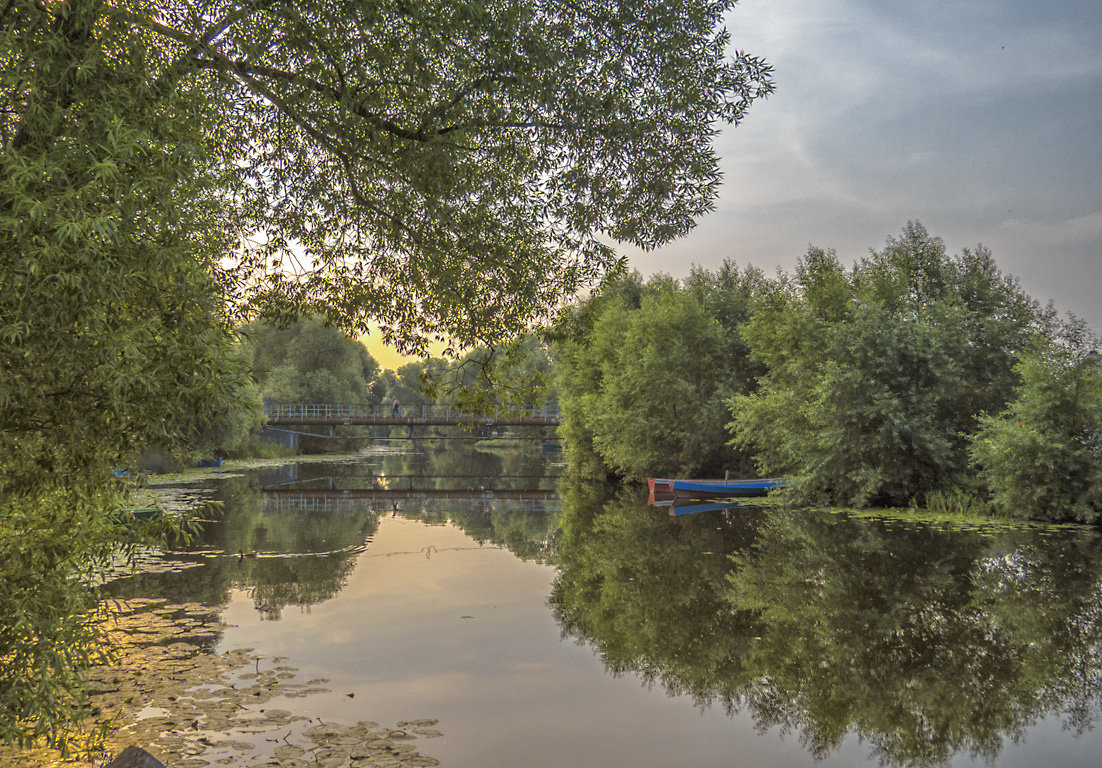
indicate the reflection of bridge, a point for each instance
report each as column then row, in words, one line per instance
column 285, row 414
column 424, row 493
column 474, row 483
column 381, row 500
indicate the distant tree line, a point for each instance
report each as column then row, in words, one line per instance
column 311, row 362
column 913, row 376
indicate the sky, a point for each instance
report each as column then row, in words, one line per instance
column 980, row 119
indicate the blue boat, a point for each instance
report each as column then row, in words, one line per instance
column 725, row 488
column 209, row 462
column 701, row 489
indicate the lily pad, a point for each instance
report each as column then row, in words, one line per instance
column 192, row 708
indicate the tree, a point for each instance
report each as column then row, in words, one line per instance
column 876, row 376
column 312, row 363
column 514, row 376
column 440, row 167
column 644, row 387
column 408, row 384
column 1041, row 457
column 112, row 335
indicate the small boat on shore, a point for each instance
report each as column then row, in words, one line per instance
column 705, row 489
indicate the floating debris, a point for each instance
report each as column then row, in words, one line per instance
column 191, row 708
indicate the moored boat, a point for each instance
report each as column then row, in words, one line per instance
column 704, row 489
column 658, row 484
column 725, row 488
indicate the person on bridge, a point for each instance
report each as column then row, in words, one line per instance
column 396, row 411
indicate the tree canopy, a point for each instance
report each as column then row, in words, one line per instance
column 877, row 376
column 312, row 363
column 1042, row 455
column 644, row 372
column 440, row 167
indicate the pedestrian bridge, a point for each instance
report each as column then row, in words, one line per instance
column 333, row 414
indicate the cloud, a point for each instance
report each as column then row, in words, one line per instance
column 979, row 119
column 1082, row 232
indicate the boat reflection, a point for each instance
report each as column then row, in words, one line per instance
column 696, row 506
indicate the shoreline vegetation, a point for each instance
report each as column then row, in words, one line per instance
column 913, row 378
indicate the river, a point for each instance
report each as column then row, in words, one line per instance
column 547, row 623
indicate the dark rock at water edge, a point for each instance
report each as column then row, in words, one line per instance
column 135, row 757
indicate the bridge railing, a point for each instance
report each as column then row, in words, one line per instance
column 330, row 411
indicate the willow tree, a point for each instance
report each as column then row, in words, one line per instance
column 1041, row 457
column 446, row 168
column 645, row 373
column 434, row 168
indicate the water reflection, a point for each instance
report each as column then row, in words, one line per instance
column 289, row 536
column 699, row 506
column 924, row 641
column 281, row 557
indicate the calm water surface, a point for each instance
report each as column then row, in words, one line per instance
column 588, row 629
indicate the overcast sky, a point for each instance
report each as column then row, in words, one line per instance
column 980, row 119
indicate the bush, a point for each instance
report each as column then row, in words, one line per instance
column 1042, row 456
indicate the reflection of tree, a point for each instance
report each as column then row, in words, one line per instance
column 648, row 591
column 280, row 557
column 317, row 548
column 878, row 631
column 447, row 464
column 526, row 530
column 923, row 642
column 275, row 583
column 528, row 534
column 459, row 461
